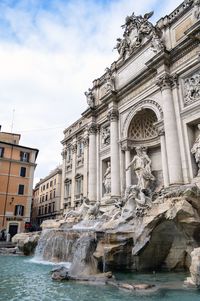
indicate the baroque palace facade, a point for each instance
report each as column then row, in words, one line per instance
column 146, row 104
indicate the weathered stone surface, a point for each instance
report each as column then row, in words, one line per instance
column 84, row 263
column 60, row 273
column 194, row 279
column 26, row 242
column 50, row 224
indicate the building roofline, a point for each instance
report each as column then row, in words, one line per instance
column 21, row 146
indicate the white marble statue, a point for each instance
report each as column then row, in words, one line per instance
column 107, row 179
column 142, row 167
column 110, row 81
column 79, row 213
column 196, row 4
column 90, row 98
column 196, row 151
column 106, row 136
column 93, row 211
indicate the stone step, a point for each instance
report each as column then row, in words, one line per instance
column 5, row 244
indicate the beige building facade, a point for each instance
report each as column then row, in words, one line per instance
column 46, row 198
column 17, row 166
column 148, row 100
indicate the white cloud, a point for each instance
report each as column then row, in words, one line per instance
column 49, row 57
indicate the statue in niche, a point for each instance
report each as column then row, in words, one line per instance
column 196, row 151
column 90, row 98
column 107, row 179
column 142, row 167
column 110, row 81
column 196, row 4
column 192, row 88
column 106, row 136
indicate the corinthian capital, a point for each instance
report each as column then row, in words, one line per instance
column 113, row 115
column 92, row 129
column 167, row 81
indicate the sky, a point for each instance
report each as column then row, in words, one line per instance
column 50, row 52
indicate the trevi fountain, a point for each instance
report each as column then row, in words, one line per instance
column 135, row 232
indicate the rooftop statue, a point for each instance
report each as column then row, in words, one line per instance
column 136, row 29
column 196, row 4
column 90, row 98
column 110, row 81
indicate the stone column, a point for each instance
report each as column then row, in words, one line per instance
column 164, row 157
column 74, row 150
column 92, row 187
column 114, row 153
column 85, row 168
column 165, row 82
column 64, row 153
column 98, row 164
column 128, row 172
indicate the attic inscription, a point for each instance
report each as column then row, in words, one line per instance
column 180, row 29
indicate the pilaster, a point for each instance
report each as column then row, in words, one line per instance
column 114, row 152
column 92, row 185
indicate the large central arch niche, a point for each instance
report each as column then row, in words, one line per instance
column 142, row 131
column 142, row 126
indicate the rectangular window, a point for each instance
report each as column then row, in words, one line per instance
column 80, row 149
column 68, row 189
column 53, row 206
column 21, row 189
column 1, row 152
column 51, row 183
column 46, row 197
column 79, row 185
column 24, row 156
column 69, row 154
column 19, row 210
column 47, row 185
column 23, row 172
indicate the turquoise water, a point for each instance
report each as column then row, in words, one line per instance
column 23, row 280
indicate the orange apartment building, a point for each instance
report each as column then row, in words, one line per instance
column 17, row 165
